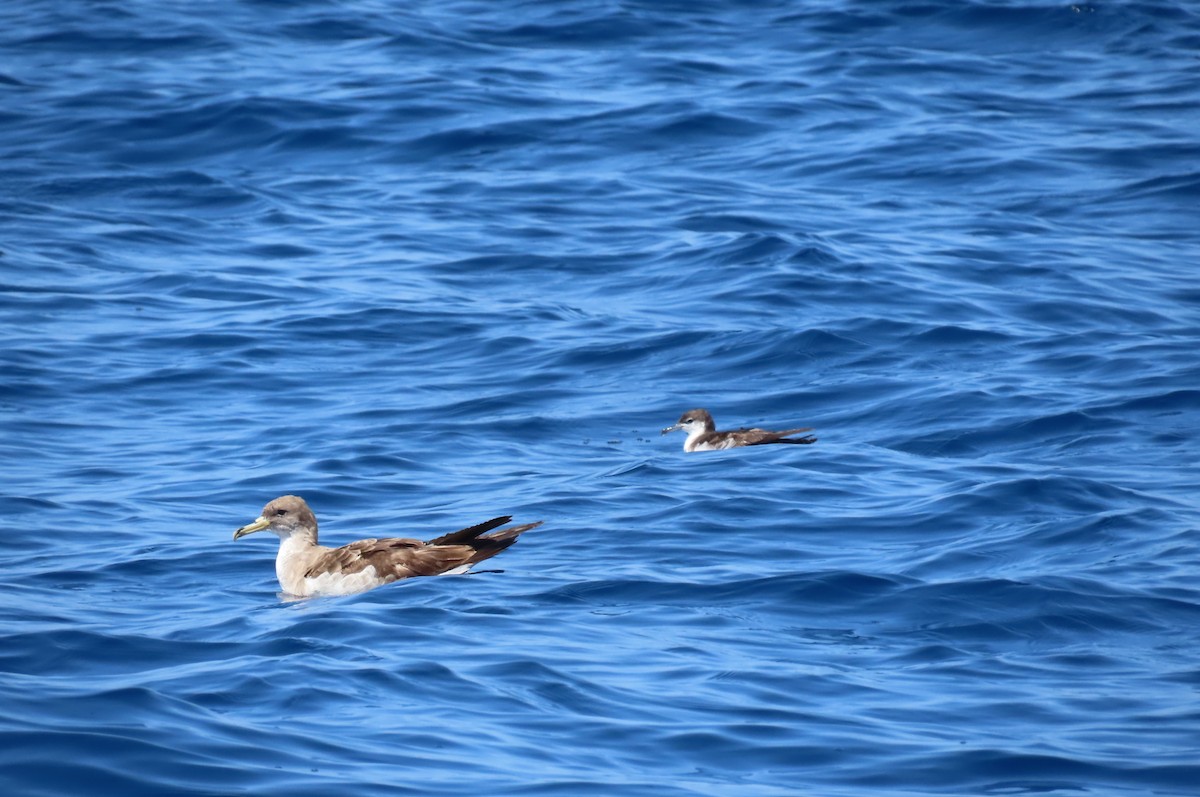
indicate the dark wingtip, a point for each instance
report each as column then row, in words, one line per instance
column 471, row 532
column 478, row 532
column 512, row 532
column 488, row 546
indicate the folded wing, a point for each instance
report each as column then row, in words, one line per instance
column 758, row 437
column 401, row 557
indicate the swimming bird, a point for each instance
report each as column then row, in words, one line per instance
column 305, row 568
column 702, row 434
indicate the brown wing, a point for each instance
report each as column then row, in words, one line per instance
column 401, row 557
column 390, row 558
column 759, row 437
column 783, row 437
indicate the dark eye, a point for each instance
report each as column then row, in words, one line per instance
column 280, row 511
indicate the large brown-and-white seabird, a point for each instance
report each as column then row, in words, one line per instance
column 702, row 434
column 305, row 568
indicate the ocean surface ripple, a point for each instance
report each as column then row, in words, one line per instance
column 429, row 263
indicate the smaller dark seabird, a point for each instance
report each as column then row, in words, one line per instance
column 305, row 568
column 702, row 434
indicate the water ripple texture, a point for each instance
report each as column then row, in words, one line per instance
column 429, row 263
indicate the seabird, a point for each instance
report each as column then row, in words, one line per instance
column 702, row 434
column 305, row 568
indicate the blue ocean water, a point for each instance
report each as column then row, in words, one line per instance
column 429, row 263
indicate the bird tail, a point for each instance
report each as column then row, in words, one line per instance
column 489, row 545
column 512, row 532
column 806, row 440
column 485, row 545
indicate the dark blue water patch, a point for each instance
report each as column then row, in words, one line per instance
column 831, row 591
column 66, row 652
column 754, row 353
column 335, row 29
column 998, row 771
column 158, row 290
column 946, row 336
column 1174, row 402
column 160, row 766
column 762, row 247
column 324, row 139
column 484, row 141
column 1062, row 429
column 568, row 785
column 155, row 189
column 989, row 611
column 119, row 42
column 989, row 29
column 656, row 346
column 18, row 505
column 706, row 127
column 570, row 28
column 689, row 71
column 279, row 251
column 1062, row 494
column 488, row 267
column 197, row 192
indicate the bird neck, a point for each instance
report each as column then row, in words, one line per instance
column 296, row 554
column 693, row 436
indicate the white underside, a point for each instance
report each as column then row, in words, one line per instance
column 333, row 584
column 296, row 557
